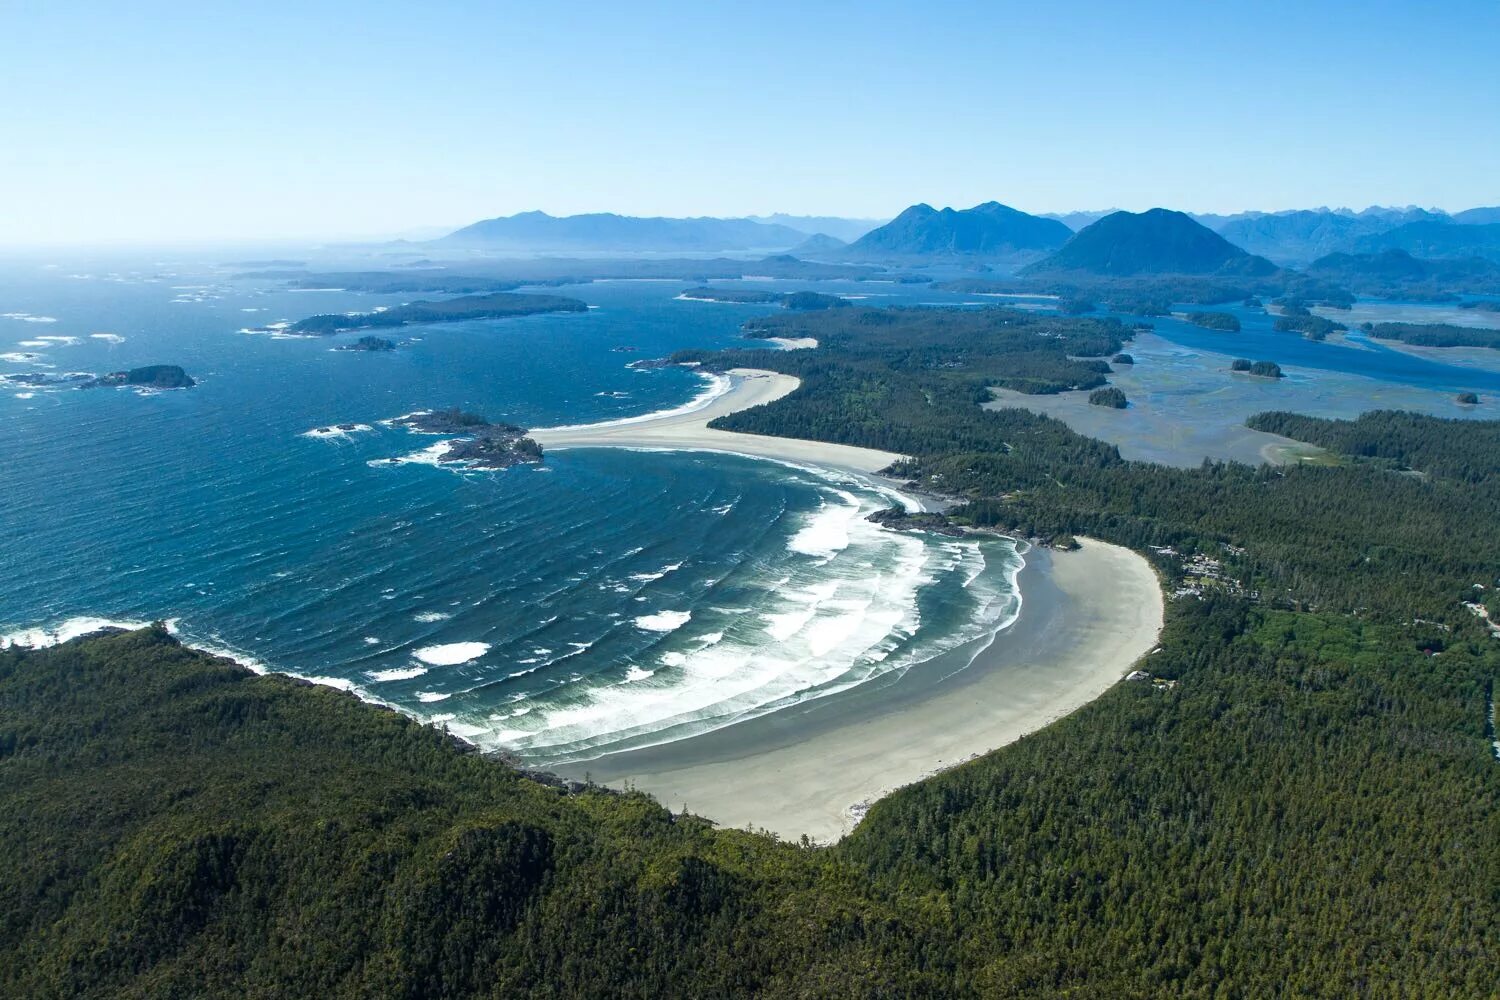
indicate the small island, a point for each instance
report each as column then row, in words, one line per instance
column 797, row 301
column 499, row 305
column 1296, row 318
column 1260, row 369
column 1111, row 397
column 1468, row 399
column 148, row 377
column 481, row 444
column 1221, row 321
column 369, row 343
column 1122, row 359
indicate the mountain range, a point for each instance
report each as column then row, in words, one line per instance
column 998, row 232
column 607, row 231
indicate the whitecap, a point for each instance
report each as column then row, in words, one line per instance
column 431, row 616
column 396, row 673
column 635, row 673
column 108, row 338
column 663, row 621
column 451, row 654
column 431, row 696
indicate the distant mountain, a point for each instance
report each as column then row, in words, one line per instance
column 842, row 229
column 1478, row 216
column 607, row 231
column 1077, row 220
column 1397, row 274
column 1293, row 237
column 1156, row 242
column 819, row 244
column 989, row 229
column 1437, row 239
column 1304, row 235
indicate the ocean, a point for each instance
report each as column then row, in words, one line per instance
column 604, row 601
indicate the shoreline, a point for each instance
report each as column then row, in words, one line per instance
column 688, row 430
column 813, row 769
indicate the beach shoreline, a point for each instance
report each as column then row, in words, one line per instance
column 688, row 430
column 812, row 770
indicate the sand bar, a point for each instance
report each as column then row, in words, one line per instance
column 1086, row 618
column 689, row 431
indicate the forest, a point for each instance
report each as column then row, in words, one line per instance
column 1307, row 806
column 496, row 305
column 1434, row 334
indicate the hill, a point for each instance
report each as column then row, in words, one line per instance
column 1437, row 239
column 1397, row 274
column 1157, row 242
column 607, row 231
column 1478, row 216
column 988, row 229
column 819, row 243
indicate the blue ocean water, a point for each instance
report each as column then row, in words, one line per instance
column 609, row 599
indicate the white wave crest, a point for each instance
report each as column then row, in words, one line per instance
column 451, row 654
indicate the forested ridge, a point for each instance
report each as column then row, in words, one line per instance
column 1308, row 805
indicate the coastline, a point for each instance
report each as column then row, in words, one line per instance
column 688, row 430
column 812, row 770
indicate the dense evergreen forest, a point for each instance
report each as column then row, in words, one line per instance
column 1309, row 806
column 496, row 305
column 1435, row 334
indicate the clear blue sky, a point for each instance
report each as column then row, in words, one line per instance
column 164, row 121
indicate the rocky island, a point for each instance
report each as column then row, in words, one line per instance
column 481, row 444
column 369, row 343
column 149, row 377
column 498, row 305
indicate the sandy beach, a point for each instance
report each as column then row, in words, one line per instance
column 1087, row 617
column 689, row 431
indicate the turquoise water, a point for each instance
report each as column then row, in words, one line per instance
column 609, row 599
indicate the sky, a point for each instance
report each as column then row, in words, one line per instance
column 159, row 122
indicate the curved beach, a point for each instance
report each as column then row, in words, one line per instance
column 1087, row 617
column 688, row 430
column 813, row 770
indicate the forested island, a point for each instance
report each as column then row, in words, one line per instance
column 370, row 343
column 1310, row 799
column 498, row 305
column 147, row 377
column 800, row 301
column 1297, row 318
column 1110, row 397
column 1261, row 369
column 1224, row 322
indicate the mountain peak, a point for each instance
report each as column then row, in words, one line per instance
column 1157, row 241
column 988, row 228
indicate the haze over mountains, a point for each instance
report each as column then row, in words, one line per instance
column 1010, row 238
column 608, row 231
